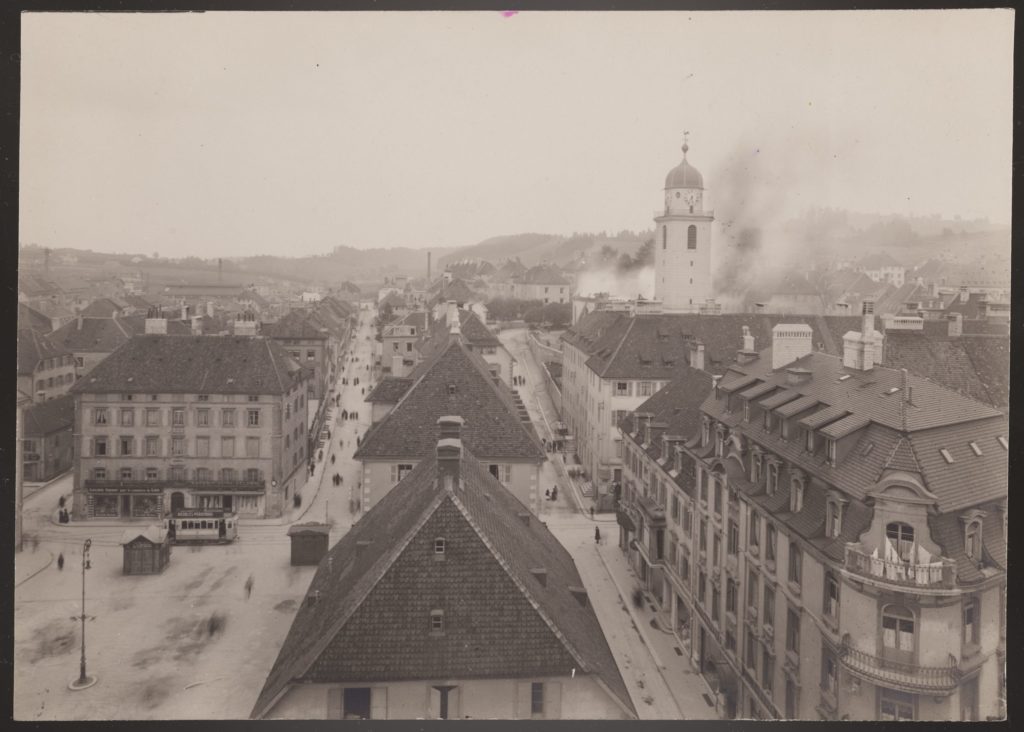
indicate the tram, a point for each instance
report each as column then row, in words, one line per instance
column 201, row 526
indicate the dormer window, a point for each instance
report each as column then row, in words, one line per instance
column 767, row 420
column 705, row 433
column 809, row 440
column 830, row 451
column 901, row 537
column 784, row 428
column 972, row 534
column 746, row 410
column 439, row 546
column 678, row 464
column 756, row 463
column 773, row 478
column 796, row 494
column 437, row 622
column 719, row 442
column 834, row 517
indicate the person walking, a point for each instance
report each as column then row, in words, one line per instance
column 554, row 493
column 597, row 534
column 332, row 459
column 248, row 587
column 60, row 561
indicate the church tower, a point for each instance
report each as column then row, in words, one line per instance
column 682, row 246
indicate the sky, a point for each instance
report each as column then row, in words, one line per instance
column 234, row 134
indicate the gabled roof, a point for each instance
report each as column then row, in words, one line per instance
column 94, row 335
column 104, row 307
column 34, row 347
column 50, row 416
column 377, row 586
column 456, row 290
column 453, row 381
column 136, row 301
column 249, row 294
column 878, row 260
column 542, row 274
column 34, row 285
column 31, row 319
column 389, row 390
column 296, row 324
column 161, row 364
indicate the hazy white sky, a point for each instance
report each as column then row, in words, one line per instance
column 291, row 133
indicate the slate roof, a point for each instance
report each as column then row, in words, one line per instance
column 948, row 532
column 389, row 390
column 456, row 290
column 102, row 308
column 206, row 364
column 34, row 286
column 50, row 416
column 542, row 275
column 34, row 347
column 139, row 302
column 878, row 260
column 474, row 332
column 935, row 419
column 295, row 324
column 99, row 335
column 254, row 296
column 378, row 584
column 654, row 346
column 492, row 430
column 32, row 319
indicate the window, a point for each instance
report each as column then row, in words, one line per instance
column 767, row 420
column 791, row 710
column 767, row 670
column 644, row 388
column 127, row 417
column 730, row 595
column 126, row 474
column 99, row 446
column 831, row 606
column 718, row 498
column 152, row 446
column 99, row 473
column 687, row 518
column 202, row 417
column 310, row 354
column 829, row 671
column 715, row 603
column 254, row 397
column 203, row 475
column 795, row 562
column 769, row 606
column 796, row 495
column 227, row 417
column 895, row 705
column 746, row 410
column 754, row 537
column 622, row 388
column 769, row 544
column 701, row 589
column 437, row 622
column 176, row 472
column 253, row 417
column 972, row 540
column 750, row 649
column 503, row 472
column 202, row 447
column 537, row 699
column 127, row 445
column 752, row 585
column 719, row 442
column 703, row 487
column 664, row 237
column 178, row 417
column 704, row 535
column 228, row 475
column 898, row 632
column 439, row 545
column 809, row 440
column 716, row 549
column 705, row 433
column 691, row 237
column 901, row 537
column 252, row 446
column 152, row 474
column 970, row 621
column 177, row 446
column 784, row 428
column 830, row 451
column 675, row 508
column 733, row 544
column 227, row 447
column 252, row 475
column 833, row 522
column 152, row 417
column 792, row 631
column 99, row 415
column 772, row 481
column 398, row 472
column 684, row 565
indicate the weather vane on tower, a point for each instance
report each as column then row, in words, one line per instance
column 686, row 143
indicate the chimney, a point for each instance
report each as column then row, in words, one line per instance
column 184, row 311
column 965, row 295
column 156, row 325
column 197, row 325
column 454, row 328
column 79, row 320
column 867, row 309
column 541, row 575
column 790, row 341
column 956, row 325
column 579, row 593
column 428, row 267
column 748, row 340
column 209, row 308
column 863, row 350
column 746, row 354
column 697, row 355
column 449, row 451
column 220, row 271
column 246, row 325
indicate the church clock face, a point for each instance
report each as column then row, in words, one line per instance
column 691, row 198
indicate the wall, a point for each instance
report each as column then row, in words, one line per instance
column 542, row 354
column 581, row 698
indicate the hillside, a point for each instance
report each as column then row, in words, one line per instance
column 532, row 249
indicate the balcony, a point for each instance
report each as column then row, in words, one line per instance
column 940, row 575
column 95, row 485
column 904, row 676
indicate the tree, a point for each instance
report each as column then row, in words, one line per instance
column 534, row 315
column 558, row 314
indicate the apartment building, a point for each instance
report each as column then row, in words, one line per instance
column 830, row 543
column 169, row 422
column 447, row 600
column 46, row 369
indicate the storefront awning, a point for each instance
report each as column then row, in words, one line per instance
column 625, row 521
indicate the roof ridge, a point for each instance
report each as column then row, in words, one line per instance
column 615, row 353
column 273, row 362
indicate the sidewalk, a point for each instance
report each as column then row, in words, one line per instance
column 28, row 563
column 687, row 687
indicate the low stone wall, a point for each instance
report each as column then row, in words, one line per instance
column 544, row 354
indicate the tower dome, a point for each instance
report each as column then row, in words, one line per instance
column 684, row 175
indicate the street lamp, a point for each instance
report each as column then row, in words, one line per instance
column 83, row 681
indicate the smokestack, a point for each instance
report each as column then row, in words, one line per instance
column 428, row 267
column 220, row 271
column 46, row 262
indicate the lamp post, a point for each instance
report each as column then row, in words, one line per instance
column 83, row 681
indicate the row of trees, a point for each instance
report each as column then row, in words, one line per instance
column 533, row 312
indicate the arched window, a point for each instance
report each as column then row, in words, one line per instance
column 972, row 540
column 664, row 237
column 901, row 536
column 898, row 633
column 691, row 237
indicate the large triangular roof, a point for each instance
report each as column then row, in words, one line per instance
column 501, row 620
column 453, row 381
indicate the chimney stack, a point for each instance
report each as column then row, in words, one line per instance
column 863, row 350
column 454, row 328
column 748, row 340
column 428, row 267
column 156, row 324
column 697, row 355
column 449, row 451
column 956, row 325
column 220, row 271
column 790, row 341
column 579, row 593
column 867, row 309
column 79, row 320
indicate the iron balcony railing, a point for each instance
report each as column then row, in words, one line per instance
column 906, row 676
column 939, row 575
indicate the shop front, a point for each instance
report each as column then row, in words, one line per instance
column 236, row 500
column 125, row 501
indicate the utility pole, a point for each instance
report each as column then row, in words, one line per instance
column 83, row 681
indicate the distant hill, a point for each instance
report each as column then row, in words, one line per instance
column 532, row 249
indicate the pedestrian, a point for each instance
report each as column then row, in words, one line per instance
column 341, row 443
column 60, row 561
column 332, row 459
column 248, row 587
column 554, row 493
column 60, row 502
column 597, row 534
column 35, row 542
column 591, row 512
column 547, row 494
column 320, row 456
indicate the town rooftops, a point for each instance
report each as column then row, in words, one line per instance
column 296, row 325
column 365, row 618
column 50, row 416
column 162, row 364
column 389, row 390
column 104, row 307
column 542, row 274
column 33, row 319
column 453, row 381
column 34, row 347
